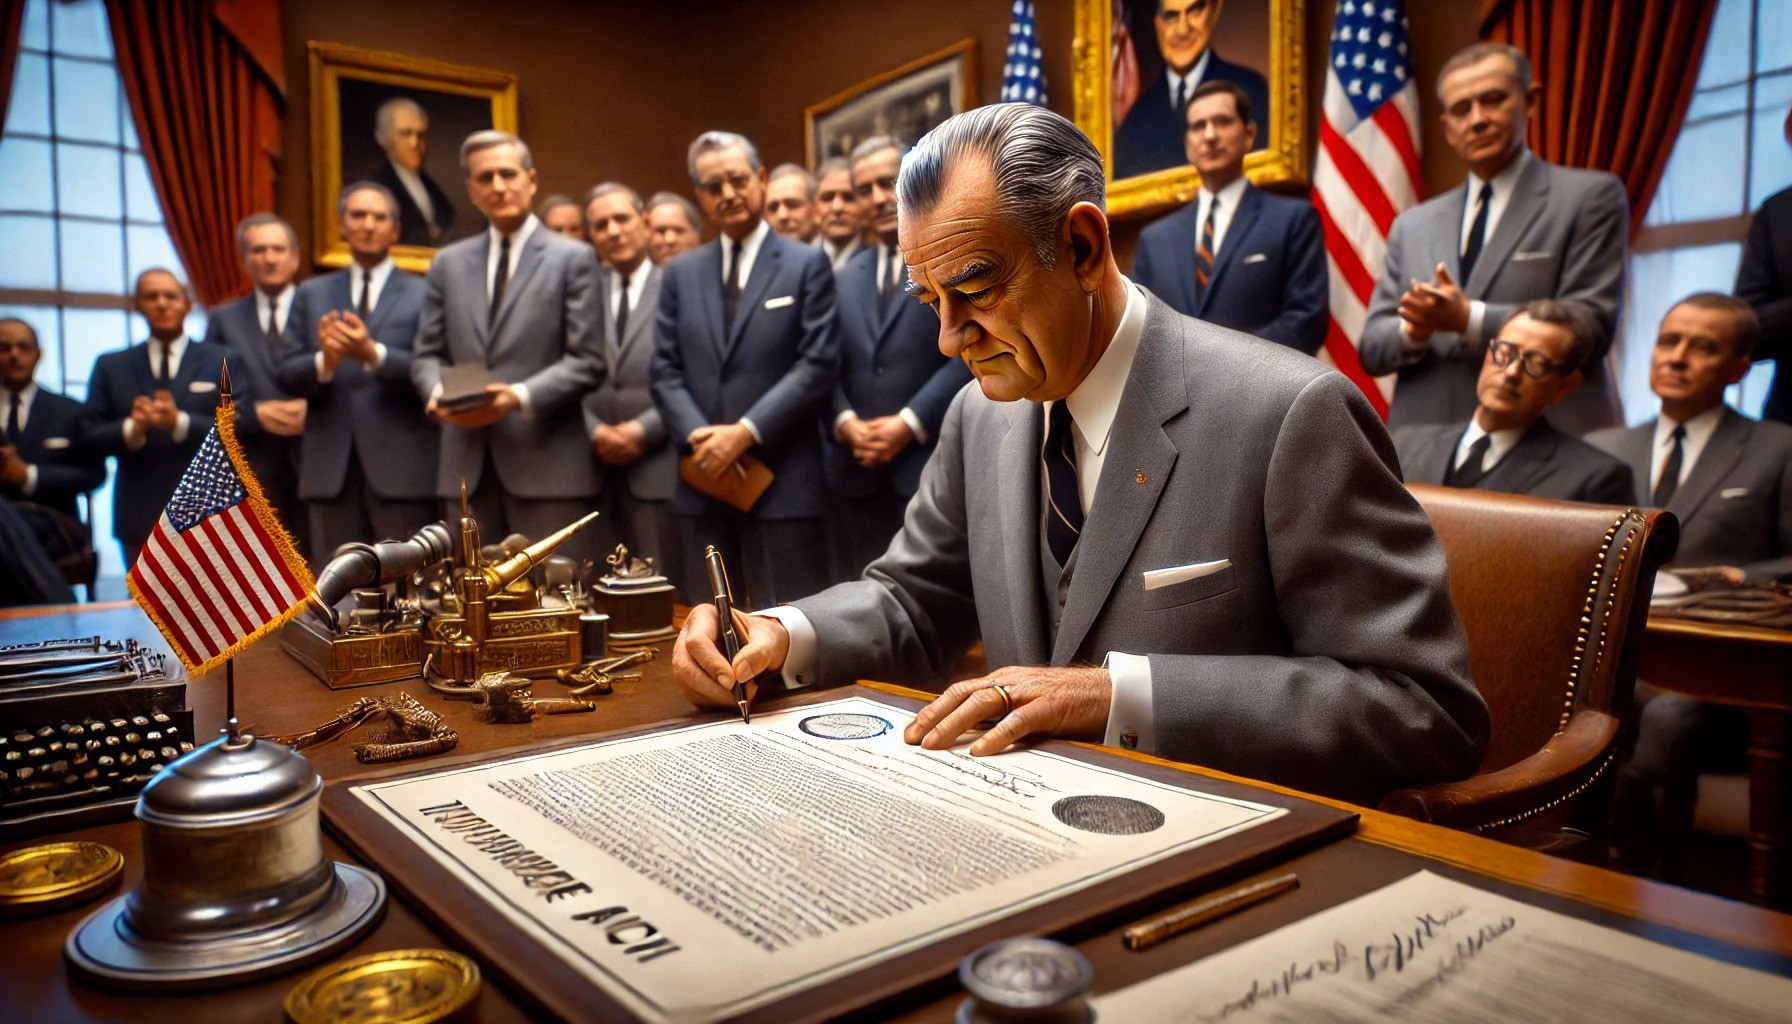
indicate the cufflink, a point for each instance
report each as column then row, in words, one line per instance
column 1129, row 740
column 1139, row 476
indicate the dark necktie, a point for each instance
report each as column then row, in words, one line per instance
column 886, row 286
column 1477, row 235
column 1473, row 466
column 1204, row 251
column 1064, row 512
column 1670, row 470
column 159, row 360
column 365, row 303
column 272, row 335
column 731, row 289
column 13, row 429
column 622, row 312
column 1176, row 97
column 500, row 279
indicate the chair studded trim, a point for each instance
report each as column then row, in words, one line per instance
column 1523, row 816
column 1578, row 668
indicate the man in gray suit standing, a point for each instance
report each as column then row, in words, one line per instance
column 370, row 459
column 1461, row 264
column 1728, row 479
column 1507, row 444
column 628, row 437
column 748, row 350
column 1214, row 520
column 523, row 303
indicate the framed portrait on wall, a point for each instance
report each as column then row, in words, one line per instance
column 398, row 121
column 1137, row 61
column 906, row 102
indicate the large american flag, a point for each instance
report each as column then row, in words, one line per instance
column 219, row 571
column 1368, row 168
column 1023, row 73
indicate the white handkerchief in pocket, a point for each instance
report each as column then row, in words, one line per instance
column 1256, row 257
column 1530, row 254
column 780, row 302
column 202, row 386
column 55, row 443
column 1733, row 492
column 1155, row 578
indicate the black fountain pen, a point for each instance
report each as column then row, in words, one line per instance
column 718, row 582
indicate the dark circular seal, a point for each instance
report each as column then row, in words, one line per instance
column 1109, row 815
column 844, row 726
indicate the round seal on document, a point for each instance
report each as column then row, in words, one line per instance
column 844, row 726
column 1108, row 815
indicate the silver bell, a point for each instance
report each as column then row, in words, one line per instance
column 235, row 884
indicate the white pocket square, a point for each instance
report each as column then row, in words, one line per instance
column 55, row 443
column 200, row 386
column 1530, row 254
column 780, row 302
column 1155, row 578
column 1733, row 492
column 1256, row 257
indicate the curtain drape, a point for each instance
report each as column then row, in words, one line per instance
column 12, row 21
column 208, row 112
column 1617, row 76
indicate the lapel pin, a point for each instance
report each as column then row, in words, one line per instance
column 1139, row 476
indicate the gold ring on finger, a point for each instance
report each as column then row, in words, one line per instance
column 1007, row 701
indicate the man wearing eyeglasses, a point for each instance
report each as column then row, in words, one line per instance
column 745, row 362
column 1150, row 139
column 1507, row 444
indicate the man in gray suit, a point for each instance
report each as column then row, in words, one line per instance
column 1461, row 264
column 1728, row 479
column 745, row 362
column 1213, row 519
column 628, row 437
column 371, row 455
column 1507, row 445
column 523, row 303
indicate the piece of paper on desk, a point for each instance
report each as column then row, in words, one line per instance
column 1427, row 948
column 697, row 873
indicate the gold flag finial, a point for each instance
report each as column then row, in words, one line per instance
column 224, row 382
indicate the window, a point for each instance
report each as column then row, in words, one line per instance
column 79, row 218
column 1731, row 155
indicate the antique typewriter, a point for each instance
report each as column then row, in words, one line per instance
column 84, row 725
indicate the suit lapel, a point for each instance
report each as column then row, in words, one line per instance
column 715, row 313
column 376, row 317
column 1729, row 442
column 478, row 293
column 1187, row 240
column 866, row 310
column 891, row 311
column 1140, row 456
column 641, row 314
column 1017, row 475
column 527, row 262
column 1530, row 194
column 1527, row 460
column 765, row 267
column 1237, row 232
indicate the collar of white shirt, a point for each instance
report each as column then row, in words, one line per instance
column 24, row 399
column 1698, row 433
column 1499, row 443
column 634, row 282
column 518, row 239
column 281, row 301
column 749, row 251
column 1186, row 83
column 377, row 276
column 176, row 349
column 1229, row 195
column 1096, row 401
column 413, row 183
column 1503, row 184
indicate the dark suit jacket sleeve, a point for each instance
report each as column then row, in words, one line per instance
column 792, row 404
column 1758, row 282
column 72, row 470
column 1778, row 569
column 1370, row 625
column 581, row 366
column 671, row 397
column 296, row 365
column 1593, row 268
column 1144, row 270
column 247, row 423
column 935, row 397
column 1613, row 485
column 429, row 353
column 1382, row 348
column 1305, row 293
column 104, row 434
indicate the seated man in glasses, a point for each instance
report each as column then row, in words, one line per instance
column 1507, row 445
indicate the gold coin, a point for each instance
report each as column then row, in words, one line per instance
column 38, row 879
column 400, row 986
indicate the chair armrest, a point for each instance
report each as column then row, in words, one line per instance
column 1570, row 761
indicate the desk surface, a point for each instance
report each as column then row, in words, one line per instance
column 278, row 696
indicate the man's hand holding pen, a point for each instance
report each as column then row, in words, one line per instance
column 705, row 674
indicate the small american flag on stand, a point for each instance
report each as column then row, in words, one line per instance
column 219, row 571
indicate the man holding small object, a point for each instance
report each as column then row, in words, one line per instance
column 1169, row 536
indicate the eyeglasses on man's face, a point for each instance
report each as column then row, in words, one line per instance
column 738, row 181
column 1536, row 365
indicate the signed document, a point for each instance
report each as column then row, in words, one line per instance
column 700, row 872
column 1430, row 949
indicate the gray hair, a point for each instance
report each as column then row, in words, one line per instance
column 1475, row 53
column 875, row 144
column 256, row 220
column 832, row 164
column 556, row 200
column 712, row 141
column 137, row 286
column 691, row 214
column 610, row 188
column 366, row 186
column 492, row 137
column 382, row 119
column 1043, row 166
column 795, row 170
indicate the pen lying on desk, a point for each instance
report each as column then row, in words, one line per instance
column 724, row 599
column 1193, row 914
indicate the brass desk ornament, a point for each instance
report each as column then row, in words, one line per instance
column 637, row 599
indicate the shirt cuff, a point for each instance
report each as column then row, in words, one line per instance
column 134, row 437
column 908, row 416
column 803, row 661
column 752, row 429
column 379, row 357
column 840, row 420
column 1129, row 713
column 29, row 488
column 325, row 372
column 1477, row 315
column 182, row 424
column 522, row 399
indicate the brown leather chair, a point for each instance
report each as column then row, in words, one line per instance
column 1554, row 597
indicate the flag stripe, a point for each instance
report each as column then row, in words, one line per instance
column 1394, row 128
column 1344, row 255
column 232, row 586
column 150, row 589
column 186, row 582
column 1344, row 357
column 232, row 616
column 265, row 595
column 281, row 584
column 1356, row 174
column 183, row 611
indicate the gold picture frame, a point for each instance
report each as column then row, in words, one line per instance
column 905, row 102
column 1283, row 160
column 348, row 85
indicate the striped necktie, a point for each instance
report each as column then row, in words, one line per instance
column 1204, row 251
column 1064, row 512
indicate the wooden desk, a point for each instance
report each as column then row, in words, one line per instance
column 1748, row 667
column 277, row 694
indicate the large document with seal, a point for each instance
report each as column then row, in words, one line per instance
column 795, row 867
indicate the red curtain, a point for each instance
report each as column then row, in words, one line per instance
column 12, row 20
column 208, row 110
column 1617, row 76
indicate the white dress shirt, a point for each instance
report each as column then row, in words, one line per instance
column 375, row 283
column 1698, row 434
column 886, row 254
column 419, row 193
column 134, row 438
column 1229, row 196
column 281, row 303
column 1503, row 185
column 24, row 399
column 1186, row 83
column 518, row 239
column 1499, row 443
column 636, row 282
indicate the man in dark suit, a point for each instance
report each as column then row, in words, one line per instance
column 1728, row 480
column 1214, row 520
column 746, row 359
column 1236, row 256
column 371, row 455
column 425, row 212
column 42, row 463
column 1461, row 264
column 1508, row 445
column 635, row 456
column 1151, row 137
column 895, row 383
column 249, row 330
column 152, row 405
column 523, row 304
column 1764, row 281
